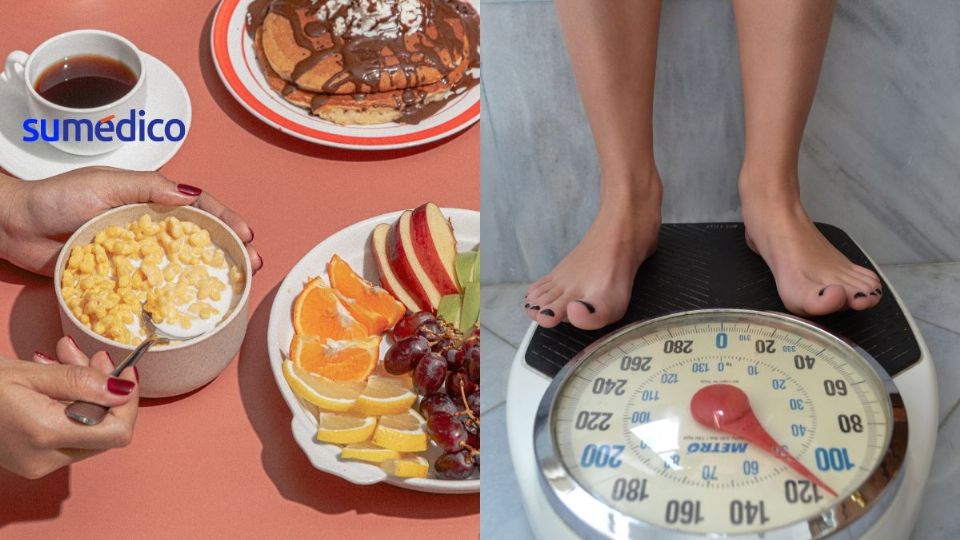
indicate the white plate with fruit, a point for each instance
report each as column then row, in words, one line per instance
column 364, row 408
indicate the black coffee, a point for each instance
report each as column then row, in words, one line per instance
column 85, row 81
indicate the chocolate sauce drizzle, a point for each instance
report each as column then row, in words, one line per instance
column 362, row 58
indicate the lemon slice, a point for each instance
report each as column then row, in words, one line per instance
column 407, row 467
column 368, row 452
column 340, row 428
column 382, row 396
column 405, row 380
column 401, row 432
column 321, row 391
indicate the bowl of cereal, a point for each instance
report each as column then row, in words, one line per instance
column 183, row 266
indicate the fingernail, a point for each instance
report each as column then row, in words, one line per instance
column 136, row 373
column 187, row 189
column 110, row 358
column 589, row 306
column 73, row 341
column 120, row 387
column 252, row 235
column 859, row 295
column 43, row 356
column 548, row 313
column 821, row 291
column 535, row 308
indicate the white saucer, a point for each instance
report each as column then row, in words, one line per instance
column 166, row 98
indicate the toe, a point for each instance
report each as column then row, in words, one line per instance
column 862, row 299
column 552, row 314
column 824, row 300
column 539, row 286
column 589, row 315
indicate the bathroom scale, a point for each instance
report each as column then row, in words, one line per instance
column 708, row 411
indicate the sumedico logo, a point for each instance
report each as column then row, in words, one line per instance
column 133, row 127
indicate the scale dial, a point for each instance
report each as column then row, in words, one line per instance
column 727, row 422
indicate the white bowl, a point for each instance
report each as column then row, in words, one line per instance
column 353, row 245
column 183, row 366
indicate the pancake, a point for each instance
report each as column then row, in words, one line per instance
column 324, row 55
column 366, row 61
column 374, row 108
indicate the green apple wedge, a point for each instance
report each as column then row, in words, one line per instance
column 470, row 310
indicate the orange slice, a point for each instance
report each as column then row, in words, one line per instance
column 373, row 306
column 340, row 360
column 318, row 311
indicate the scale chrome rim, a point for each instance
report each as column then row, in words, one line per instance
column 590, row 517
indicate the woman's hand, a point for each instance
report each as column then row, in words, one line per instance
column 37, row 217
column 36, row 437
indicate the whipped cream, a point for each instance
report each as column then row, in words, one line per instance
column 371, row 18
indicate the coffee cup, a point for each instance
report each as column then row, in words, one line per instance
column 75, row 130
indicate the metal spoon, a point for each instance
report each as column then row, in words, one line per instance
column 91, row 414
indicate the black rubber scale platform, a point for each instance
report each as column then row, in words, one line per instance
column 708, row 265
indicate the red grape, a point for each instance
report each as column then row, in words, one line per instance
column 405, row 354
column 447, row 431
column 473, row 401
column 429, row 374
column 438, row 403
column 430, row 330
column 444, row 345
column 455, row 381
column 408, row 325
column 473, row 364
column 473, row 433
column 455, row 466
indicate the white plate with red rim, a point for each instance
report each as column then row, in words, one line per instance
column 236, row 63
column 353, row 245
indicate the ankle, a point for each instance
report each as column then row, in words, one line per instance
column 769, row 187
column 628, row 189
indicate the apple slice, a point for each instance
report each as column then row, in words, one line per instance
column 435, row 247
column 406, row 266
column 389, row 280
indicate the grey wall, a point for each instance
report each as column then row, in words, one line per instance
column 880, row 158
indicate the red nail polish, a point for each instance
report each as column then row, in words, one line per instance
column 252, row 235
column 187, row 189
column 120, row 387
column 136, row 373
column 43, row 355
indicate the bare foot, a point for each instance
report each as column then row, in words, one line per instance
column 591, row 286
column 813, row 277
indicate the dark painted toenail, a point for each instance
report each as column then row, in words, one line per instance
column 859, row 295
column 526, row 306
column 589, row 306
column 535, row 308
column 879, row 292
column 873, row 294
column 548, row 313
column 821, row 291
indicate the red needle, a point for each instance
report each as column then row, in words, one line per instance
column 726, row 408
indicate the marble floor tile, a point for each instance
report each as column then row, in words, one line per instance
column 939, row 519
column 502, row 313
column 497, row 357
column 931, row 291
column 944, row 347
column 502, row 515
